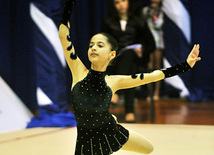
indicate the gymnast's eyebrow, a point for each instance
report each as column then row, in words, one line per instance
column 98, row 42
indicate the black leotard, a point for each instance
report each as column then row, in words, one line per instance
column 98, row 132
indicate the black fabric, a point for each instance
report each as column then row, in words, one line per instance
column 91, row 103
column 66, row 14
column 91, row 98
column 136, row 31
column 103, row 140
column 66, row 17
column 175, row 70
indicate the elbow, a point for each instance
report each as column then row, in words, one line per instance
column 61, row 35
column 63, row 32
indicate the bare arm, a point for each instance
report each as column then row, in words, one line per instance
column 123, row 82
column 118, row 82
column 77, row 68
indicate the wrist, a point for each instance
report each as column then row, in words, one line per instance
column 175, row 70
column 188, row 63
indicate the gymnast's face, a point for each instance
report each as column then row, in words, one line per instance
column 121, row 6
column 100, row 50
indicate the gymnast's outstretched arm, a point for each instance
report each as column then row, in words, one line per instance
column 77, row 68
column 123, row 82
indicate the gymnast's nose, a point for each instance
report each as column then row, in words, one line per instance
column 94, row 48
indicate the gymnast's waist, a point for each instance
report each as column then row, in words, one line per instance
column 98, row 127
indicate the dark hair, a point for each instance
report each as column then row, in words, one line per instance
column 159, row 5
column 112, row 11
column 112, row 41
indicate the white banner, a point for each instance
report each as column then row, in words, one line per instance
column 14, row 115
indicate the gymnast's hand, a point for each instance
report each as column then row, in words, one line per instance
column 193, row 56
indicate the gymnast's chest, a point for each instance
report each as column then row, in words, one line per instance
column 91, row 94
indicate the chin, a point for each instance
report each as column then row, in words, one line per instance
column 94, row 60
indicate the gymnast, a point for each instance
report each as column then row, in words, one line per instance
column 98, row 132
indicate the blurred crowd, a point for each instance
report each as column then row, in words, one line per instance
column 138, row 30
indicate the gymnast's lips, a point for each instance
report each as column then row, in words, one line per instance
column 94, row 54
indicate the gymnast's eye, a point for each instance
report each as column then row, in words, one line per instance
column 100, row 46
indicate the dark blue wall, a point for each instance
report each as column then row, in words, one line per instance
column 17, row 61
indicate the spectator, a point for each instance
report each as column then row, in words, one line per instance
column 154, row 16
column 135, row 43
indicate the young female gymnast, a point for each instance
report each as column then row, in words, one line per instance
column 98, row 131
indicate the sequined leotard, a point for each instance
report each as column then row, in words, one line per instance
column 98, row 132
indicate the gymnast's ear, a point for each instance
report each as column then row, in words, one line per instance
column 112, row 55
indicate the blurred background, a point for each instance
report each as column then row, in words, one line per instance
column 33, row 67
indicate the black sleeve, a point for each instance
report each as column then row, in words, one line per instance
column 67, row 10
column 175, row 70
